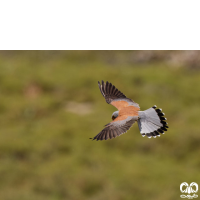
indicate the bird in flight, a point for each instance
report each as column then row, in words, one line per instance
column 150, row 122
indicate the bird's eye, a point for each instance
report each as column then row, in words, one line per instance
column 113, row 117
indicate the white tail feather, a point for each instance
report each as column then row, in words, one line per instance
column 151, row 122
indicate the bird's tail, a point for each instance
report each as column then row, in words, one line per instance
column 151, row 122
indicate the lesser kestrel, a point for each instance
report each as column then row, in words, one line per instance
column 150, row 122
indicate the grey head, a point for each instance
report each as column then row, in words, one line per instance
column 115, row 115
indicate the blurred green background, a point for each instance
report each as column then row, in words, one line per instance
column 50, row 105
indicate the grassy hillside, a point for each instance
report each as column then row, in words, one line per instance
column 50, row 105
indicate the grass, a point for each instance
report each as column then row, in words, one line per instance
column 45, row 151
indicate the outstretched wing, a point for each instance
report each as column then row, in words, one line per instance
column 128, row 112
column 115, row 97
column 117, row 127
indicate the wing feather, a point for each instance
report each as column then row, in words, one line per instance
column 115, row 128
column 112, row 94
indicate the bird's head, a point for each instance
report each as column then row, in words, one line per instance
column 115, row 115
